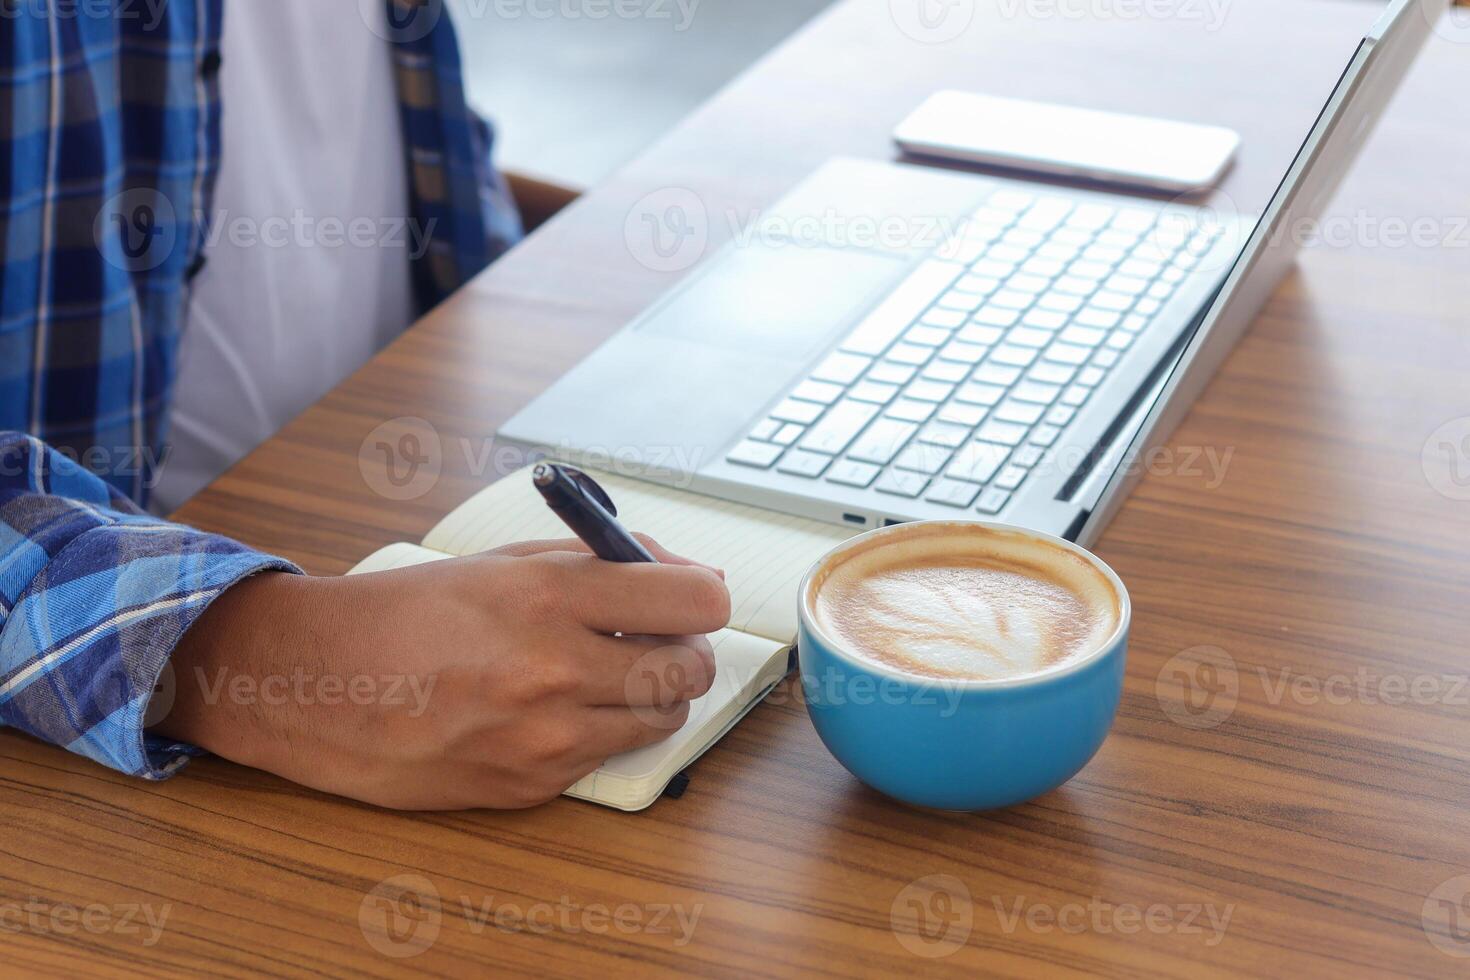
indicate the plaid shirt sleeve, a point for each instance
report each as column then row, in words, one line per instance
column 94, row 596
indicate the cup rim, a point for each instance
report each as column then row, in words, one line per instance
column 1125, row 611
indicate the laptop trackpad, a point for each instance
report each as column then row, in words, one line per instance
column 783, row 301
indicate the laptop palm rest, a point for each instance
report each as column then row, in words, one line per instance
column 721, row 345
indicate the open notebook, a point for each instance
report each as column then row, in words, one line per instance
column 764, row 555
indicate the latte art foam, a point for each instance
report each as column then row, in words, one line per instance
column 967, row 602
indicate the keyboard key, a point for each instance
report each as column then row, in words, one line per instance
column 1027, row 456
column 945, row 434
column 1058, row 250
column 982, row 336
column 1028, row 337
column 1160, row 291
column 821, row 392
column 961, row 301
column 950, row 371
column 1134, row 323
column 979, row 285
column 794, row 411
column 1051, row 373
column 839, row 427
column 764, row 429
column 991, row 216
column 1010, row 478
column 1011, row 299
column 901, row 483
column 980, row 394
column 1075, row 395
column 1141, row 268
column 891, row 373
column 1135, row 219
column 1045, row 319
column 962, row 352
column 1046, row 435
column 909, row 410
column 1036, row 392
column 1023, row 238
column 926, row 336
column 1083, row 336
column 851, row 473
column 840, row 368
column 1106, row 255
column 1120, row 339
column 992, row 500
column 946, row 319
column 1068, row 353
column 953, row 493
column 1091, row 217
column 1046, row 269
column 881, row 441
column 923, row 457
column 961, row 249
column 997, row 316
column 1013, row 355
column 799, row 462
column 1085, row 269
column 1046, row 214
column 1060, row 415
column 1090, row 376
column 958, row 413
column 790, row 432
column 977, row 462
column 1076, row 286
column 1021, row 413
column 1105, row 358
column 1118, row 239
column 991, row 269
column 1148, row 307
column 1126, row 284
column 1004, row 433
column 901, row 307
column 1010, row 254
column 757, row 454
column 1097, row 319
column 1023, row 283
column 871, row 391
column 910, row 354
column 928, row 391
column 996, row 374
column 1060, row 302
column 1117, row 302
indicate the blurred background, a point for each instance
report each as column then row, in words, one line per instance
column 576, row 98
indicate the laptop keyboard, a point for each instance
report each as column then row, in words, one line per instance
column 958, row 383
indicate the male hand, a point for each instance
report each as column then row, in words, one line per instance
column 507, row 681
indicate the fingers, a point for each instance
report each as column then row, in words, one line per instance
column 607, row 597
column 615, row 730
column 654, row 670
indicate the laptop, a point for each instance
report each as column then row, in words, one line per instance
column 1013, row 366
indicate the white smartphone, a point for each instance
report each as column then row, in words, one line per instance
column 1064, row 141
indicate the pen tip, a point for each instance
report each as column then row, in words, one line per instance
column 542, row 474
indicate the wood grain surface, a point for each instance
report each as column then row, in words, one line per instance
column 1308, row 821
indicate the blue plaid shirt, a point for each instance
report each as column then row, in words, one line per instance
column 109, row 147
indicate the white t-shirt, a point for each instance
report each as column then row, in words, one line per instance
column 307, row 271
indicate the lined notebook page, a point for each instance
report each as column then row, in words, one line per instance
column 764, row 554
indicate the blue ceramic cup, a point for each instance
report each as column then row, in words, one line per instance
column 965, row 744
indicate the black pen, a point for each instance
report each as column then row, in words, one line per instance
column 589, row 512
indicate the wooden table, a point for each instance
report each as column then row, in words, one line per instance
column 1330, row 566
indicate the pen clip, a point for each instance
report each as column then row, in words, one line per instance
column 592, row 489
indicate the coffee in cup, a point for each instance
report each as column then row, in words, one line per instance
column 965, row 602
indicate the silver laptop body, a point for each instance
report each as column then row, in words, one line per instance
column 1012, row 354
